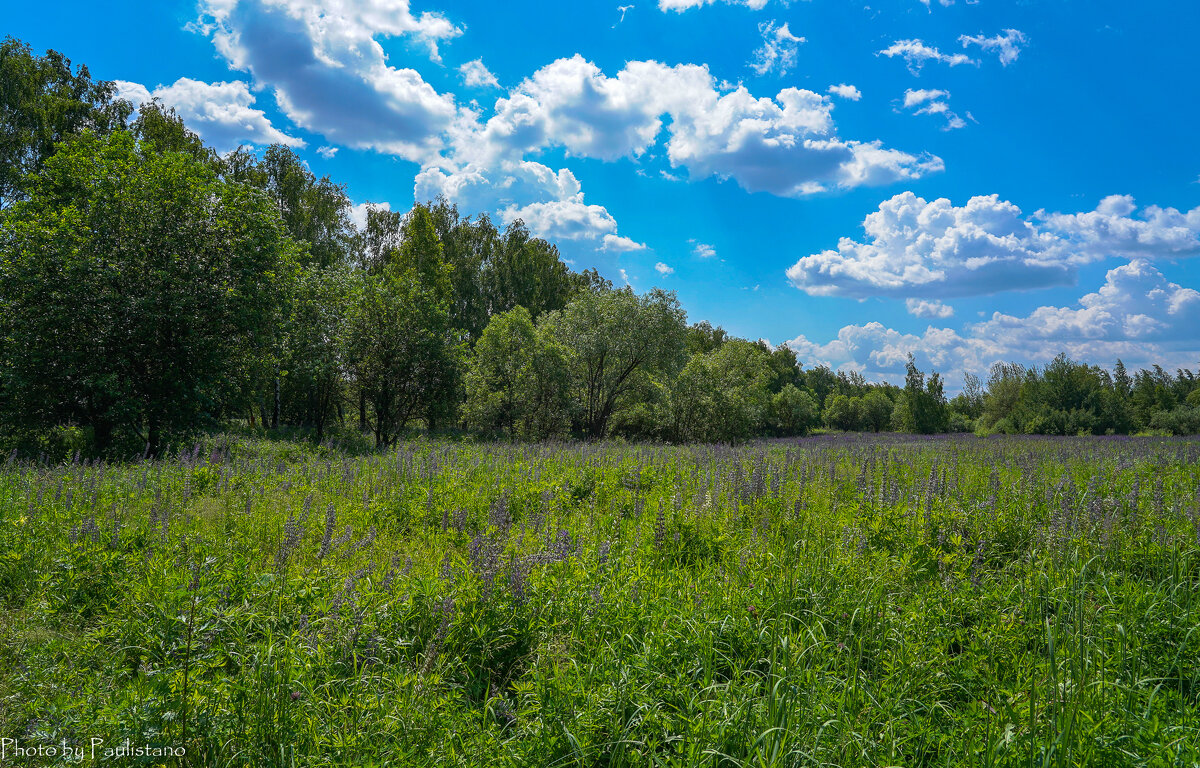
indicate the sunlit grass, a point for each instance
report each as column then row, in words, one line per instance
column 833, row 601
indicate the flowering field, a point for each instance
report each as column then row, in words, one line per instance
column 827, row 602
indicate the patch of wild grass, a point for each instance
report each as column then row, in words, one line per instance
column 891, row 601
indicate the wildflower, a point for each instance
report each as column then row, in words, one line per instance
column 330, row 522
column 293, row 530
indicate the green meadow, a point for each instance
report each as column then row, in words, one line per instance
column 829, row 601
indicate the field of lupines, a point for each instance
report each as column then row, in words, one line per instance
column 892, row 601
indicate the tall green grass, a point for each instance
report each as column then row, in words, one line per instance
column 827, row 602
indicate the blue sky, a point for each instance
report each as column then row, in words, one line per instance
column 968, row 181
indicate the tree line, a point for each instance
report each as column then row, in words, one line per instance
column 152, row 288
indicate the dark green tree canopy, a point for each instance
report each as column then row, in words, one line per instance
column 136, row 282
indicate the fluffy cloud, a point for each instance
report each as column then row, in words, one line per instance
column 927, row 308
column 222, row 113
column 663, row 269
column 918, row 248
column 785, row 145
column 702, row 250
column 915, row 98
column 330, row 75
column 618, row 244
column 881, row 352
column 683, row 5
column 843, row 91
column 932, row 102
column 334, row 25
column 564, row 219
column 1007, row 46
column 778, row 50
column 476, row 75
column 550, row 202
column 1137, row 315
column 916, row 54
column 1112, row 230
column 1136, row 304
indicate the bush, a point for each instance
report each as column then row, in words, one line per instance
column 960, row 423
column 1183, row 420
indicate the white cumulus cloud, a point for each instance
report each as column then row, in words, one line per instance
column 618, row 244
column 222, row 113
column 784, row 145
column 928, row 308
column 476, row 75
column 1136, row 315
column 330, row 75
column 934, row 249
column 847, row 92
column 663, row 269
column 324, row 63
column 683, row 5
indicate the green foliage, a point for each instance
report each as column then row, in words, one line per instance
column 794, row 411
column 785, row 370
column 314, row 211
column 702, row 338
column 820, row 381
column 524, row 271
column 876, row 410
column 925, row 409
column 466, row 246
column 401, row 349
column 388, row 316
column 314, row 356
column 516, row 382
column 722, row 395
column 1003, row 392
column 43, row 102
column 879, row 601
column 843, row 412
column 1184, row 420
column 137, row 286
column 161, row 129
column 618, row 343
